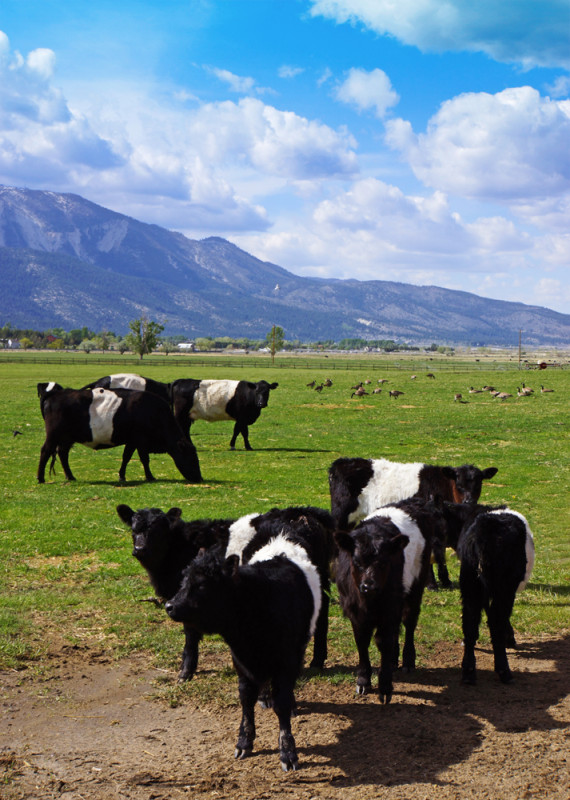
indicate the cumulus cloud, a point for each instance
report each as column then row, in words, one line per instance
column 510, row 147
column 517, row 31
column 368, row 90
column 39, row 135
column 374, row 231
column 272, row 141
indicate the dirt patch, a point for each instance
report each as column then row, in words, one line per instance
column 94, row 730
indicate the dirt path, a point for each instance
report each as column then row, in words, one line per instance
column 94, row 731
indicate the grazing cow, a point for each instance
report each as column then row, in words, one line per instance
column 381, row 571
column 359, row 486
column 164, row 544
column 266, row 611
column 128, row 380
column 215, row 400
column 496, row 551
column 102, row 418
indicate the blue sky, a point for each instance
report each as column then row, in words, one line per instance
column 424, row 141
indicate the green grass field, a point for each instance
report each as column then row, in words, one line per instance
column 66, row 571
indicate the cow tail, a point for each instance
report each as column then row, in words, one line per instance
column 52, row 465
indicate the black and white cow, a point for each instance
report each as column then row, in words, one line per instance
column 266, row 611
column 165, row 544
column 496, row 551
column 129, row 380
column 359, row 486
column 216, row 400
column 381, row 571
column 103, row 418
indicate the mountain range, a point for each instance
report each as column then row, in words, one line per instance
column 67, row 262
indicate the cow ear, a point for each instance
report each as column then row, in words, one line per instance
column 174, row 513
column 273, row 385
column 400, row 541
column 126, row 513
column 449, row 472
column 345, row 541
column 489, row 472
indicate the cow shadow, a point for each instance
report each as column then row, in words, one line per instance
column 435, row 722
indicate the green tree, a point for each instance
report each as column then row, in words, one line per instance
column 144, row 336
column 275, row 340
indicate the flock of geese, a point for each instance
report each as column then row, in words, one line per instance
column 359, row 390
column 524, row 391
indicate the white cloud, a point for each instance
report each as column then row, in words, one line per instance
column 272, row 141
column 509, row 147
column 373, row 231
column 235, row 82
column 287, row 71
column 519, row 31
column 368, row 90
column 40, row 136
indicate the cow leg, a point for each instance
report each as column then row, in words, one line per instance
column 45, row 453
column 386, row 639
column 127, row 455
column 321, row 633
column 473, row 602
column 498, row 617
column 283, row 702
column 144, row 459
column 240, row 428
column 248, row 694
column 410, row 622
column 362, row 636
column 63, row 453
column 442, row 571
column 190, row 653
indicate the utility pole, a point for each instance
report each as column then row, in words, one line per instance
column 520, row 351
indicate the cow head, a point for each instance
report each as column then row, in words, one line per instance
column 150, row 529
column 375, row 548
column 468, row 481
column 204, row 596
column 262, row 389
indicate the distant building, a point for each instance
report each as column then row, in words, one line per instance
column 188, row 346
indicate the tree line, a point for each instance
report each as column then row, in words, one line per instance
column 145, row 337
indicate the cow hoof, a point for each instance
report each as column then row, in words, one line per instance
column 469, row 677
column 242, row 752
column 289, row 762
column 385, row 698
column 232, row 448
column 506, row 676
column 362, row 689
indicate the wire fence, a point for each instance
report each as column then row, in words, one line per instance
column 332, row 363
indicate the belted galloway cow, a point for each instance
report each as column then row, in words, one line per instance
column 103, row 418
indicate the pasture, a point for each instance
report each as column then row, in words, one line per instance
column 69, row 587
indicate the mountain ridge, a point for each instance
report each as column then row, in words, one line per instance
column 65, row 261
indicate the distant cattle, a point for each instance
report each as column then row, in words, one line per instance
column 129, row 380
column 359, row 486
column 216, row 400
column 165, row 545
column 103, row 418
column 266, row 611
column 381, row 571
column 496, row 551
